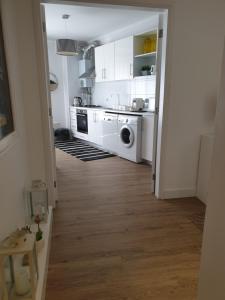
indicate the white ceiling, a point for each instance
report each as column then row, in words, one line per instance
column 87, row 23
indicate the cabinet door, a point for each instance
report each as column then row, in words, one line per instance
column 99, row 133
column 109, row 62
column 147, row 137
column 91, row 126
column 73, row 122
column 124, row 59
column 99, row 63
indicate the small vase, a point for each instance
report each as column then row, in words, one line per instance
column 144, row 73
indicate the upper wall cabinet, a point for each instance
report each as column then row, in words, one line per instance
column 124, row 58
column 105, row 62
column 145, row 52
column 99, row 63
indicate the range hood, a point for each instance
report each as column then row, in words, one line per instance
column 87, row 66
column 67, row 47
column 86, row 73
column 86, row 69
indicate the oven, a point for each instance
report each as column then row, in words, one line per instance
column 82, row 121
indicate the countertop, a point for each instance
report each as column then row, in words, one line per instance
column 111, row 110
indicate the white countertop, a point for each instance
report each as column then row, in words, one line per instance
column 110, row 110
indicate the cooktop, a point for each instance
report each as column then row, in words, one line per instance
column 91, row 105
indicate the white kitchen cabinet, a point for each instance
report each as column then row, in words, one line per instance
column 91, row 126
column 109, row 62
column 95, row 126
column 99, row 63
column 73, row 121
column 124, row 59
column 147, row 136
column 105, row 62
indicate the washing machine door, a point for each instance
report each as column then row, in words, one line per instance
column 126, row 136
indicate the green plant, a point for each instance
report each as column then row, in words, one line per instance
column 39, row 233
column 146, row 68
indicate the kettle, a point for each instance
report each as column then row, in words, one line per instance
column 77, row 101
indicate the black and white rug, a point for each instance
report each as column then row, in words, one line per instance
column 82, row 150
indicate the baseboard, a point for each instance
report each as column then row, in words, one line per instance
column 43, row 258
column 178, row 193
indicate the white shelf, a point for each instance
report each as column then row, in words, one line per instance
column 43, row 257
column 150, row 54
column 145, row 76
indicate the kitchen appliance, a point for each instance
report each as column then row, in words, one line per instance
column 92, row 106
column 82, row 121
column 87, row 66
column 129, row 137
column 110, row 132
column 86, row 73
column 77, row 101
column 137, row 104
column 153, row 69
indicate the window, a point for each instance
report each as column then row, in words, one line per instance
column 6, row 117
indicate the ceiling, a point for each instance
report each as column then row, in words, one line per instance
column 87, row 23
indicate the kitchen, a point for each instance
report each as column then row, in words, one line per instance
column 104, row 80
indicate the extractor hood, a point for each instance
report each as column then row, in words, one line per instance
column 87, row 66
column 87, row 73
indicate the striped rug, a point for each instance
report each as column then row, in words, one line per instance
column 82, row 150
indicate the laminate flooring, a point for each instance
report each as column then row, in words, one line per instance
column 112, row 240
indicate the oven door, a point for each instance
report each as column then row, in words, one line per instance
column 82, row 123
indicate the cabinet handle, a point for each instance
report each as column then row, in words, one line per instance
column 102, row 73
column 131, row 71
column 94, row 117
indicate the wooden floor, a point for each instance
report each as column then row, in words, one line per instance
column 113, row 241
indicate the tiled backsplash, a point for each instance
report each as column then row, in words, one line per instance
column 115, row 93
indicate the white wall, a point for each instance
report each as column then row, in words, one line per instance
column 212, row 274
column 73, row 74
column 66, row 70
column 196, row 45
column 57, row 96
column 114, row 93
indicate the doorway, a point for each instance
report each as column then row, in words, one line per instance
column 144, row 28
column 103, row 226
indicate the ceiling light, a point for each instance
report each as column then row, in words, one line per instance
column 67, row 47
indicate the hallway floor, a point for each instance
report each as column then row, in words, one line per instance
column 112, row 240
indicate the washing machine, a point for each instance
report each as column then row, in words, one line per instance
column 129, row 137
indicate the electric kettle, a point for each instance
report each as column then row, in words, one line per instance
column 77, row 101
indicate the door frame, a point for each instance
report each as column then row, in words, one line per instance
column 164, row 93
column 46, row 108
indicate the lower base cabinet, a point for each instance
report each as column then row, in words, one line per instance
column 95, row 131
column 147, row 137
column 95, row 126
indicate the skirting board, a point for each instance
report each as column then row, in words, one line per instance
column 43, row 258
column 178, row 193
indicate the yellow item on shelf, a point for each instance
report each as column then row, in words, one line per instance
column 147, row 45
column 150, row 44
